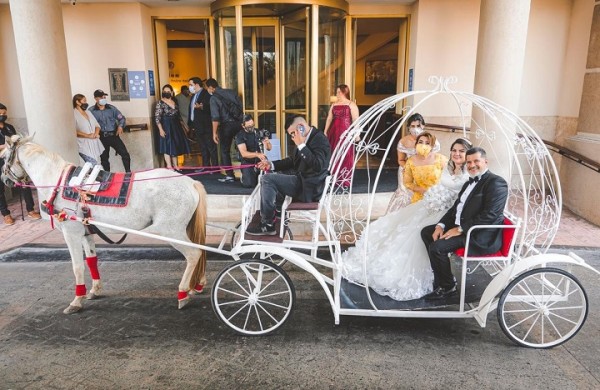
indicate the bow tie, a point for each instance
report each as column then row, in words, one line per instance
column 473, row 179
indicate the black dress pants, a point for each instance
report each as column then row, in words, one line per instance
column 208, row 148
column 227, row 132
column 115, row 142
column 27, row 195
column 438, row 256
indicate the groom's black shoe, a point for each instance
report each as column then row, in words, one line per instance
column 441, row 293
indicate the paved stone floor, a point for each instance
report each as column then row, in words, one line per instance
column 135, row 338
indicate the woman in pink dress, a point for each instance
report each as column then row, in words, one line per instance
column 341, row 115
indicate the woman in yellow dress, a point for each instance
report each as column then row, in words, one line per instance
column 424, row 169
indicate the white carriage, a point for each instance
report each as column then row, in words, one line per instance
column 537, row 303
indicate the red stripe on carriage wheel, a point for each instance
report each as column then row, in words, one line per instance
column 199, row 288
column 80, row 290
column 92, row 263
column 182, row 295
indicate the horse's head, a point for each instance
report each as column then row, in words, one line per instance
column 12, row 171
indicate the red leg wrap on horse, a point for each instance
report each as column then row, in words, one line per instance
column 92, row 263
column 198, row 288
column 182, row 295
column 80, row 290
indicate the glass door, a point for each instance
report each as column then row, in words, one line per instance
column 261, row 72
column 295, row 67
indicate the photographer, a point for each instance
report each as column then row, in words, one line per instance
column 251, row 143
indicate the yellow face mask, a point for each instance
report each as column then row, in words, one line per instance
column 423, row 149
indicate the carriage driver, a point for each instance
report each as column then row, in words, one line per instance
column 309, row 162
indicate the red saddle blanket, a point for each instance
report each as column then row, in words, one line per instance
column 114, row 188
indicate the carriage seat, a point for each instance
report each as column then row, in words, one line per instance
column 508, row 237
column 302, row 206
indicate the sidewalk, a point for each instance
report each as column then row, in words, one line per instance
column 575, row 232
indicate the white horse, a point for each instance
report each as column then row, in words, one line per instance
column 172, row 206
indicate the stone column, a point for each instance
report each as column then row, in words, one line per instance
column 500, row 59
column 44, row 69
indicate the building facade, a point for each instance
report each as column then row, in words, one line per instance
column 539, row 58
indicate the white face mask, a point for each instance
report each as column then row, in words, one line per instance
column 192, row 89
column 102, row 102
column 416, row 131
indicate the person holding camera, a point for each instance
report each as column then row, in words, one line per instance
column 251, row 144
column 307, row 165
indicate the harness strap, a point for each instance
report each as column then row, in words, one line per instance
column 93, row 229
column 48, row 205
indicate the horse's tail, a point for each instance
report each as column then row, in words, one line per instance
column 196, row 231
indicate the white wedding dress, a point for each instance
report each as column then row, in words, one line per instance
column 394, row 256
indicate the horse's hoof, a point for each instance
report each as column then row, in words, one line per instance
column 197, row 290
column 91, row 296
column 183, row 302
column 72, row 309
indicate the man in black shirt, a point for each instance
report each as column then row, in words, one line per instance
column 251, row 144
column 7, row 130
column 226, row 112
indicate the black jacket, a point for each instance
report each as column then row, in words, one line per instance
column 310, row 164
column 484, row 206
column 202, row 122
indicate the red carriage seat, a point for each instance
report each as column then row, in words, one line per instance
column 508, row 235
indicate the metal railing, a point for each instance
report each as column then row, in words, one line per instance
column 554, row 147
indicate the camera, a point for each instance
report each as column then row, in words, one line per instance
column 263, row 133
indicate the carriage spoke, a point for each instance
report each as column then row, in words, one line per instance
column 520, row 311
column 273, row 294
column 258, row 318
column 247, row 316
column 232, row 302
column 239, row 310
column 566, row 296
column 266, row 312
column 233, row 292
column 562, row 318
column 238, row 283
column 273, row 304
column 270, row 283
column 554, row 327
column 523, row 320
column 531, row 328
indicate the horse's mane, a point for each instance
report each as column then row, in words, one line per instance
column 34, row 149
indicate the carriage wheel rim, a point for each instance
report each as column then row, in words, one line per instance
column 544, row 315
column 255, row 300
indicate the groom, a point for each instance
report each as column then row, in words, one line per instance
column 481, row 201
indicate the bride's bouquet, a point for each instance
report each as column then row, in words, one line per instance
column 439, row 198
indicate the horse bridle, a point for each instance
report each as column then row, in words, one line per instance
column 9, row 162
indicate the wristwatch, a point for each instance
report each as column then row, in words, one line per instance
column 460, row 230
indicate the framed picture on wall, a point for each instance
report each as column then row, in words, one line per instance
column 381, row 77
column 119, row 87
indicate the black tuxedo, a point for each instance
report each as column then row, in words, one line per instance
column 483, row 206
column 310, row 164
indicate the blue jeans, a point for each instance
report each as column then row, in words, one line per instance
column 274, row 187
column 89, row 159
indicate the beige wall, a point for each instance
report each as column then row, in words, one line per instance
column 11, row 93
column 445, row 44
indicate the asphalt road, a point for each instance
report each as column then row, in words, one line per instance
column 134, row 337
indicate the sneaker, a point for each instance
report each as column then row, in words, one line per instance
column 227, row 179
column 264, row 229
column 34, row 215
column 8, row 220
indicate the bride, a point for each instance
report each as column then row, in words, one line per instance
column 394, row 255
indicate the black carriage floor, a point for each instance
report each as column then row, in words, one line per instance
column 353, row 296
column 388, row 182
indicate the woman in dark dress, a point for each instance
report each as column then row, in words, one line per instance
column 173, row 142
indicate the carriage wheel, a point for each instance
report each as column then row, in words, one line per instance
column 280, row 261
column 542, row 308
column 253, row 297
